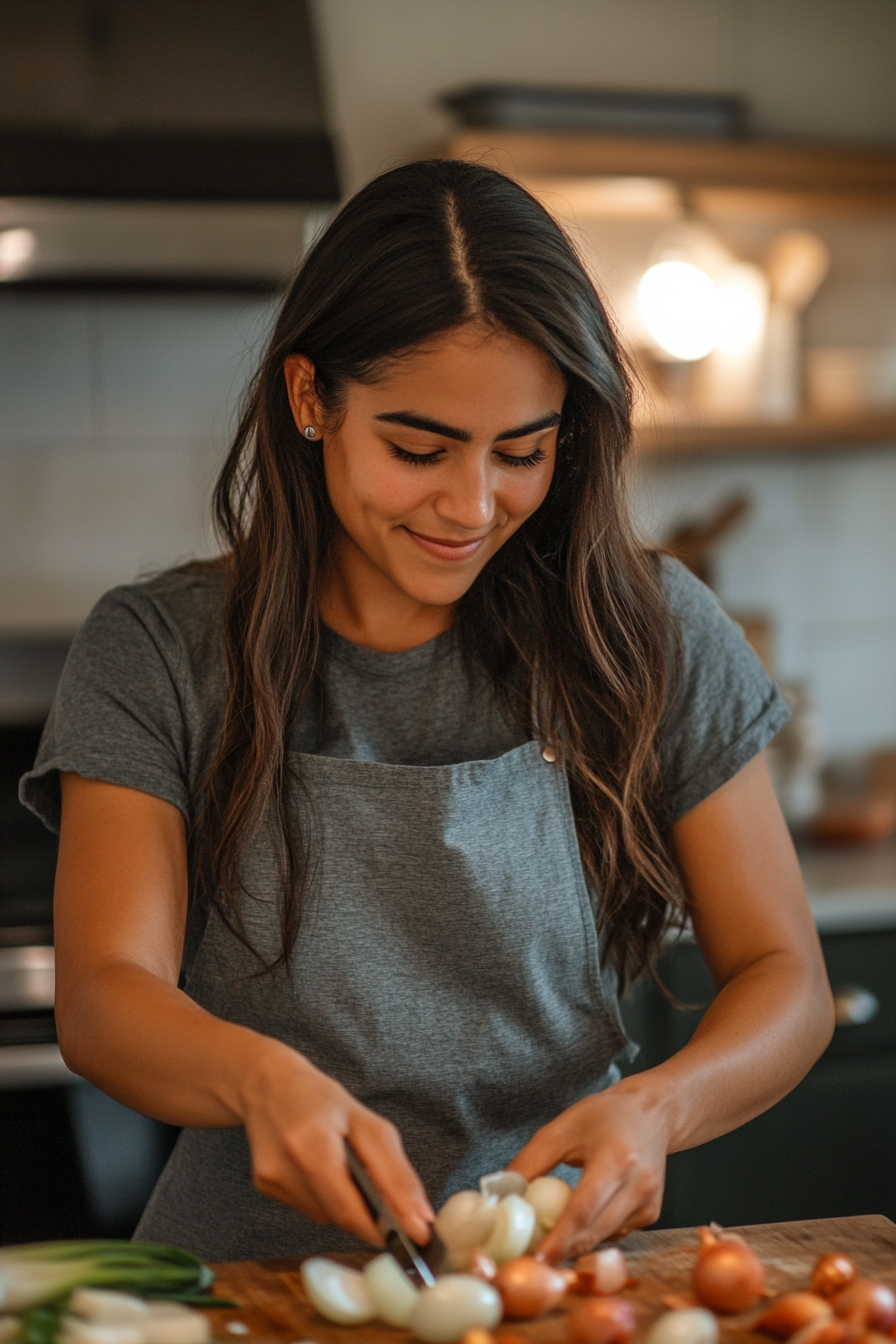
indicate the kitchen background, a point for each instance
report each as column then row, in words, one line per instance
column 120, row 372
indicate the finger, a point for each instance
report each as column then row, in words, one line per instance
column 379, row 1146
column 332, row 1186
column 574, row 1231
column 546, row 1149
column 603, row 1204
column 279, row 1179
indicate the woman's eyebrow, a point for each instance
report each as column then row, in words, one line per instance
column 412, row 421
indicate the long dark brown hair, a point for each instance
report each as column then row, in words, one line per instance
column 568, row 620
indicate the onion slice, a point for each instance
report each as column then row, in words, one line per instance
column 512, row 1230
column 452, row 1306
column 341, row 1295
column 391, row 1291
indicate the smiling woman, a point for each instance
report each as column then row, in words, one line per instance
column 488, row 442
column 364, row 826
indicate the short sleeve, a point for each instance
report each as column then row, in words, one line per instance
column 725, row 708
column 119, row 712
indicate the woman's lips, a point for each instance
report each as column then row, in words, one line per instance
column 447, row 550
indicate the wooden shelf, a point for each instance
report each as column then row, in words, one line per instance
column 762, row 165
column 805, row 434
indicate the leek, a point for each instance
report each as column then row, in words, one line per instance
column 43, row 1274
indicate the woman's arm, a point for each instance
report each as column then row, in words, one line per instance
column 770, row 1020
column 120, row 914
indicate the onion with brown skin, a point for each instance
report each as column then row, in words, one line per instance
column 727, row 1276
column 832, row 1272
column 867, row 1305
column 602, row 1320
column 792, row 1312
column 529, row 1287
column 603, row 1271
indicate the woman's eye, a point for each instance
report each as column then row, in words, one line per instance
column 530, row 460
column 415, row 459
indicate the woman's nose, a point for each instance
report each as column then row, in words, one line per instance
column 468, row 500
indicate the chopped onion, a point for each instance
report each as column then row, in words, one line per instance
column 391, row 1290
column 464, row 1222
column 502, row 1184
column 102, row 1304
column 512, row 1231
column 455, row 1303
column 340, row 1294
column 548, row 1196
column 603, row 1271
column 694, row 1325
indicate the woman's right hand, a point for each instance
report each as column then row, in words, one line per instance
column 297, row 1120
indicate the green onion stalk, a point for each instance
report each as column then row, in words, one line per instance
column 43, row 1274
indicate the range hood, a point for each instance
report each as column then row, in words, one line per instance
column 148, row 141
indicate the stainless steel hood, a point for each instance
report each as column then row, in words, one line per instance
column 52, row 243
column 148, row 141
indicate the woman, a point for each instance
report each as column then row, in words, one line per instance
column 363, row 826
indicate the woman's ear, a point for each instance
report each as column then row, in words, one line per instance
column 306, row 409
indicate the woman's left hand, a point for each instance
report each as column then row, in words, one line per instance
column 620, row 1142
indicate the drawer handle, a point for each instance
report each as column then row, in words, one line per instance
column 854, row 1006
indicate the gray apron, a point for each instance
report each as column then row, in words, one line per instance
column 446, row 973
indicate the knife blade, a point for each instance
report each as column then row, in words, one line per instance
column 420, row 1263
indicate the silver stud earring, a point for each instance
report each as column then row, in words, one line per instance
column 310, row 432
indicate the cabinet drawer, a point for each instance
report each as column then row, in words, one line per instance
column 855, row 961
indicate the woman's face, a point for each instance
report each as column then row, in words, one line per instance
column 434, row 466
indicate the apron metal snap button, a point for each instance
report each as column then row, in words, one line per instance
column 549, row 755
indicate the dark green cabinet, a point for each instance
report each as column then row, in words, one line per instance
column 827, row 1149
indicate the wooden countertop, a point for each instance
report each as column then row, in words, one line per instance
column 275, row 1309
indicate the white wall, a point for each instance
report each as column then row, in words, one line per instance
column 821, row 68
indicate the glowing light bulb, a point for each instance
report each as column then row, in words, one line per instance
column 16, row 247
column 680, row 307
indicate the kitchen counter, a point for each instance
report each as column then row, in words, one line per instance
column 274, row 1308
column 851, row 888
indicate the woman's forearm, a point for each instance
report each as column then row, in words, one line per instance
column 151, row 1047
column 757, row 1039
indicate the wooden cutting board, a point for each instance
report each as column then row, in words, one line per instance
column 274, row 1307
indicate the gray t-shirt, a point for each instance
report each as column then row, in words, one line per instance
column 141, row 699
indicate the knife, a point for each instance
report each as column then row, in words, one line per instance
column 420, row 1263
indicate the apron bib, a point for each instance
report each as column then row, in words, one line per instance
column 446, row 972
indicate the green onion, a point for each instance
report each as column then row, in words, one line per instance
column 44, row 1273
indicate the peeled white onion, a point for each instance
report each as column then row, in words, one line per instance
column 692, row 1325
column 456, row 1303
column 503, row 1183
column 465, row 1222
column 173, row 1323
column 512, row 1230
column 340, row 1294
column 77, row 1331
column 391, row 1290
column 548, row 1196
column 104, row 1304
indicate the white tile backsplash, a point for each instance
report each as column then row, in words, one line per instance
column 115, row 414
column 46, row 350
